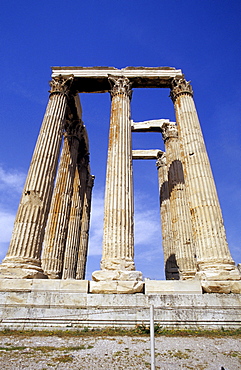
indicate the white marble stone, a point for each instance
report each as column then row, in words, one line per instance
column 116, row 287
column 172, row 287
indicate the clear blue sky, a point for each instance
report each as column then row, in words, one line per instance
column 201, row 37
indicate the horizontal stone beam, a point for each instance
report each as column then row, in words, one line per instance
column 146, row 154
column 149, row 126
column 95, row 79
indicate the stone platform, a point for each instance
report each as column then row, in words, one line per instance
column 66, row 304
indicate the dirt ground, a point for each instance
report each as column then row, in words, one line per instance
column 119, row 352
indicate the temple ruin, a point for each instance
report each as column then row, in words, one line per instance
column 50, row 236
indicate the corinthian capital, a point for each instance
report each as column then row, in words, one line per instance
column 180, row 86
column 169, row 130
column 120, row 85
column 61, row 84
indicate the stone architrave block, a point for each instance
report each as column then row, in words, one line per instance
column 173, row 287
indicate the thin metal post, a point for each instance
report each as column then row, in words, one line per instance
column 152, row 337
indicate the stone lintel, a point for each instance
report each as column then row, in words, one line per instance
column 95, row 79
column 155, row 125
column 146, row 154
column 172, row 287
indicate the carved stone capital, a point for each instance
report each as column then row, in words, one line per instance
column 161, row 160
column 180, row 86
column 169, row 130
column 61, row 84
column 120, row 85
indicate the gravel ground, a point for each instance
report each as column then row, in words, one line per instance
column 122, row 352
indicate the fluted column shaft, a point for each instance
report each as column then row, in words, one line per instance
column 85, row 225
column 57, row 225
column 75, row 220
column 208, row 229
column 179, row 208
column 25, row 247
column 118, row 240
column 171, row 268
column 74, row 226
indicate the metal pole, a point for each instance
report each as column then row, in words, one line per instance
column 153, row 365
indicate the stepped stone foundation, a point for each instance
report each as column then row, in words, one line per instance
column 46, row 260
column 65, row 304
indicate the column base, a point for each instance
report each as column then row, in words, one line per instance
column 21, row 268
column 226, row 287
column 221, row 278
column 116, row 287
column 218, row 272
column 189, row 275
column 116, row 281
column 117, row 264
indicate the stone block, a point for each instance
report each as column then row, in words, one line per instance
column 117, row 275
column 102, row 275
column 78, row 286
column 173, row 287
column 45, row 285
column 14, row 298
column 116, row 287
column 20, row 273
column 235, row 287
column 67, row 299
column 216, row 286
column 15, row 285
column 219, row 275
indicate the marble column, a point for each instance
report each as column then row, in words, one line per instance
column 74, row 225
column 171, row 267
column 75, row 219
column 179, row 208
column 57, row 225
column 85, row 225
column 212, row 252
column 118, row 240
column 23, row 257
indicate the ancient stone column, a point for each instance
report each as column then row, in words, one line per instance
column 118, row 240
column 76, row 226
column 213, row 256
column 85, row 225
column 171, row 268
column 179, row 209
column 57, row 225
column 23, row 257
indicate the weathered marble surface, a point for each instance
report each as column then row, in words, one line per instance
column 65, row 304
